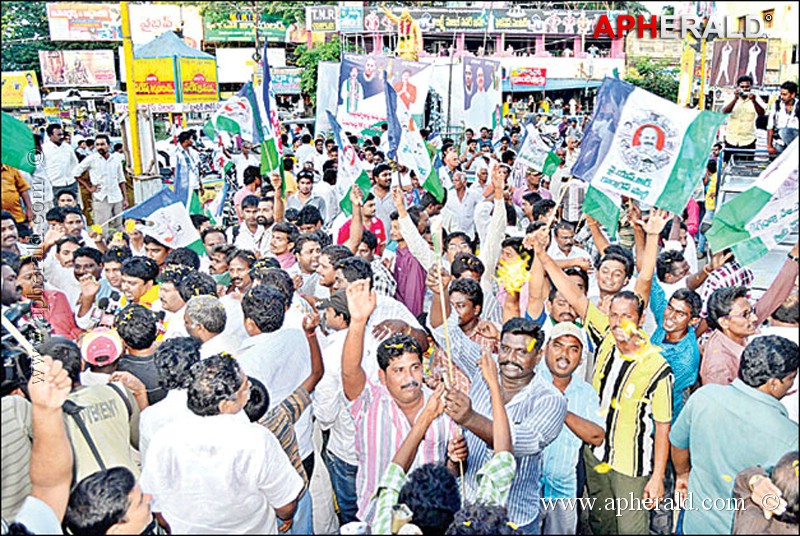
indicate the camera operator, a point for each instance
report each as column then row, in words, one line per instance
column 48, row 304
column 740, row 131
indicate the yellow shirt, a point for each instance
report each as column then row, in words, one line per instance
column 741, row 128
column 711, row 192
column 634, row 392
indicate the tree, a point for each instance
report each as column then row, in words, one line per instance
column 653, row 76
column 25, row 32
column 309, row 59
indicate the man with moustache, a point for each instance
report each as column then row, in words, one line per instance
column 307, row 250
column 107, row 183
column 535, row 408
column 249, row 233
column 583, row 424
column 386, row 403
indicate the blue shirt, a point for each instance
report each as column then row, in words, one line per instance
column 683, row 356
column 536, row 415
column 560, row 458
column 728, row 428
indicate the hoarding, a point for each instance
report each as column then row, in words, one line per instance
column 84, row 21
column 199, row 80
column 155, row 80
column 20, row 89
column 529, row 76
column 77, row 68
column 322, row 18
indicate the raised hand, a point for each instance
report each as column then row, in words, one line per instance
column 361, row 300
column 276, row 182
column 89, row 286
column 356, row 196
column 656, row 223
column 50, row 384
column 398, row 200
column 134, row 384
column 311, row 321
column 488, row 369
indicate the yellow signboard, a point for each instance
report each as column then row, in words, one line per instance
column 20, row 89
column 199, row 80
column 154, row 80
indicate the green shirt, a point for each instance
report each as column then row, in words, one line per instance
column 727, row 428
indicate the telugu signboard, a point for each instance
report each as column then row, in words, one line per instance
column 20, row 89
column 518, row 20
column 241, row 27
column 75, row 21
column 149, row 21
column 155, row 80
column 529, row 76
column 199, row 80
column 77, row 68
column 322, row 18
column 286, row 81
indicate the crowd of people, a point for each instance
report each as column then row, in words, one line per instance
column 470, row 363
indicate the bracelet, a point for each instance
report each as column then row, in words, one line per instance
column 792, row 257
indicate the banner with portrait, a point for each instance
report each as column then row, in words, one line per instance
column 77, row 68
column 482, row 91
column 361, row 104
column 20, row 89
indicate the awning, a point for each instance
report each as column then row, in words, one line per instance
column 553, row 84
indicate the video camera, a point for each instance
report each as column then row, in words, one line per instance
column 16, row 361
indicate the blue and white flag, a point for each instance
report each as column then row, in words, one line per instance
column 167, row 220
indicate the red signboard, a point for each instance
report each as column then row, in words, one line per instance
column 529, row 76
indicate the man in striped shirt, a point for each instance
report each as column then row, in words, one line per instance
column 635, row 387
column 535, row 408
column 385, row 411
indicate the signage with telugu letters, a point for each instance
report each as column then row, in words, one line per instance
column 529, row 76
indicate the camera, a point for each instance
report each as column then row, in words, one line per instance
column 16, row 361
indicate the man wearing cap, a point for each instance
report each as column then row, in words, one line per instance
column 100, row 350
column 305, row 193
column 583, row 424
column 533, row 180
column 109, row 414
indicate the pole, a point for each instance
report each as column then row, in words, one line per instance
column 450, row 93
column 127, row 49
column 702, row 102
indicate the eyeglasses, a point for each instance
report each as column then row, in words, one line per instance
column 746, row 314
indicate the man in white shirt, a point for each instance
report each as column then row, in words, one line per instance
column 109, row 194
column 273, row 355
column 244, row 160
column 305, row 194
column 307, row 251
column 332, row 413
column 173, row 359
column 205, row 320
column 248, row 234
column 215, row 471
column 60, row 160
column 459, row 212
column 563, row 248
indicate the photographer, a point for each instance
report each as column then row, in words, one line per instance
column 740, row 131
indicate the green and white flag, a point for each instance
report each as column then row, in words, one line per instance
column 351, row 168
column 167, row 220
column 643, row 147
column 234, row 116
column 536, row 154
column 759, row 218
column 407, row 147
